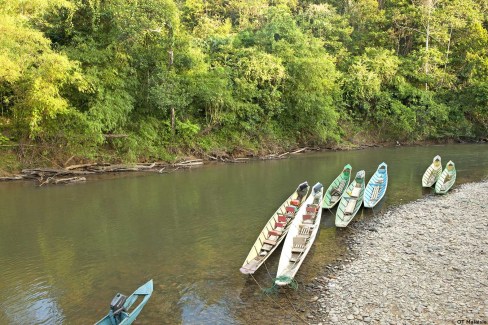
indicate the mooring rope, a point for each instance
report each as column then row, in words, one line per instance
column 276, row 303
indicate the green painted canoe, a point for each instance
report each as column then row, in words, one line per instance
column 447, row 179
column 121, row 312
column 351, row 201
column 335, row 190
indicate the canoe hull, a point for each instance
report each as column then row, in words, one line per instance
column 127, row 318
column 303, row 229
column 336, row 190
column 255, row 258
column 376, row 188
column 433, row 172
column 350, row 202
column 447, row 179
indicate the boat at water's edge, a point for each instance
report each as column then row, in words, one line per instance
column 351, row 201
column 447, row 179
column 335, row 190
column 431, row 175
column 377, row 185
column 300, row 237
column 275, row 230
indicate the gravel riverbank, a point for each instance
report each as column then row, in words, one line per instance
column 425, row 262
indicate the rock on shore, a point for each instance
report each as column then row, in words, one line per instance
column 426, row 262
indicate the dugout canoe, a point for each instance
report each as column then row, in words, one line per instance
column 376, row 188
column 120, row 312
column 335, row 190
column 433, row 172
column 351, row 201
column 275, row 230
column 447, row 179
column 300, row 237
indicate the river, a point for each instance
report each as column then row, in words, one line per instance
column 65, row 251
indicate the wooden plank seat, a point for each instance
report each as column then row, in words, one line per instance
column 266, row 248
column 350, row 206
column 280, row 224
column 308, row 218
column 295, row 202
column 271, row 241
column 273, row 236
column 291, row 209
column 334, row 198
column 282, row 218
column 294, row 257
column 312, row 208
column 374, row 194
column 356, row 191
column 299, row 244
column 339, row 188
column 304, row 230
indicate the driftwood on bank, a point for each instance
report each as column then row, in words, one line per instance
column 75, row 173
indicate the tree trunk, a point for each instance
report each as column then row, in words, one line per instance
column 173, row 120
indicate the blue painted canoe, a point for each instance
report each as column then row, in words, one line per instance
column 120, row 309
column 376, row 188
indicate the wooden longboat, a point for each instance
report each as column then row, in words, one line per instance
column 301, row 236
column 447, row 179
column 275, row 230
column 335, row 190
column 431, row 175
column 351, row 201
column 376, row 188
column 120, row 308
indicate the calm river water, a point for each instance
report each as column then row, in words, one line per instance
column 65, row 251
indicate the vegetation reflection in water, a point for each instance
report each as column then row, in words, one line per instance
column 65, row 251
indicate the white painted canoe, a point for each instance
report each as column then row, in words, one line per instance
column 351, row 200
column 447, row 179
column 275, row 230
column 301, row 236
column 433, row 172
column 376, row 188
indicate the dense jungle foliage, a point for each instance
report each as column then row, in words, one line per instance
column 151, row 79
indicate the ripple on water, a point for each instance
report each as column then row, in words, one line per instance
column 30, row 302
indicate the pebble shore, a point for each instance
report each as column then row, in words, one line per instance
column 425, row 262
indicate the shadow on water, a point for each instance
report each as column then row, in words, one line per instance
column 65, row 251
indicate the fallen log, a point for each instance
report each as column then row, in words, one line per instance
column 188, row 164
column 79, row 166
column 298, row 151
column 69, row 180
column 12, row 178
column 283, row 154
column 239, row 160
column 192, row 161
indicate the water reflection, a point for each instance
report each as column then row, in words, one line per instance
column 65, row 251
column 30, row 304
